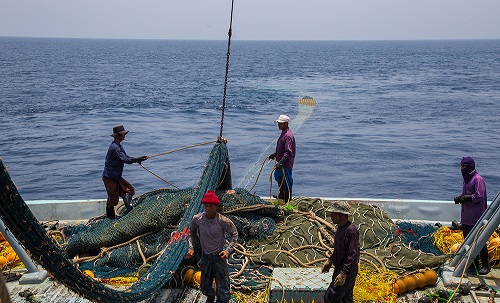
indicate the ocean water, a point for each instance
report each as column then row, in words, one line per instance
column 393, row 118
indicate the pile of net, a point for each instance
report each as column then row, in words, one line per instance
column 48, row 253
column 298, row 234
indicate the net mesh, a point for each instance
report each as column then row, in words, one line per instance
column 153, row 238
column 32, row 236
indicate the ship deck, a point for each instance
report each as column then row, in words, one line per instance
column 50, row 290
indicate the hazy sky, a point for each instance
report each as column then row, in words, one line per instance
column 253, row 19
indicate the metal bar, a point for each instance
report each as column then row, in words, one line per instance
column 489, row 222
column 487, row 215
column 30, row 266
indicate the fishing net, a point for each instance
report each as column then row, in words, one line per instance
column 153, row 238
column 153, row 211
column 25, row 227
column 304, row 238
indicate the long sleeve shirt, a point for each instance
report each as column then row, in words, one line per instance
column 345, row 256
column 285, row 147
column 115, row 159
column 472, row 211
column 211, row 233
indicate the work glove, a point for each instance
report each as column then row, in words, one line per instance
column 326, row 266
column 279, row 165
column 139, row 159
column 466, row 198
column 272, row 156
column 458, row 199
column 339, row 280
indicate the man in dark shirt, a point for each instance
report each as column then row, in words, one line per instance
column 285, row 157
column 345, row 256
column 115, row 185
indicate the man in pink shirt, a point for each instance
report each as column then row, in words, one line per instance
column 209, row 229
column 285, row 157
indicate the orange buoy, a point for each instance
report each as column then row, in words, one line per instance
column 495, row 242
column 421, row 279
column 431, row 277
column 88, row 273
column 12, row 257
column 188, row 275
column 494, row 248
column 3, row 260
column 395, row 288
column 401, row 286
column 197, row 277
column 454, row 248
column 410, row 283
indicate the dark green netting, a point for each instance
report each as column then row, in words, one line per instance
column 298, row 234
column 26, row 228
column 304, row 238
column 153, row 211
column 253, row 217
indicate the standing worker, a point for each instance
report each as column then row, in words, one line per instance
column 345, row 256
column 115, row 185
column 285, row 157
column 209, row 229
column 473, row 203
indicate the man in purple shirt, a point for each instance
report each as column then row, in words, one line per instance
column 473, row 202
column 345, row 256
column 285, row 157
column 209, row 229
column 115, row 185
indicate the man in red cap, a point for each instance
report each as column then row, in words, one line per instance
column 209, row 229
column 115, row 185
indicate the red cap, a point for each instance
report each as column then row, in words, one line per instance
column 210, row 198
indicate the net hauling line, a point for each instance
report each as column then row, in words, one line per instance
column 173, row 151
column 219, row 138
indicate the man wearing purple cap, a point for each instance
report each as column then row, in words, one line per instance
column 209, row 229
column 115, row 185
column 285, row 157
column 473, row 202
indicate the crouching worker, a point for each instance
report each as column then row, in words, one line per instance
column 116, row 186
column 345, row 256
column 209, row 229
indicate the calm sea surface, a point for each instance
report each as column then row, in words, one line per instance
column 392, row 120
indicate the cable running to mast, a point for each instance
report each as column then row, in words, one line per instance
column 227, row 69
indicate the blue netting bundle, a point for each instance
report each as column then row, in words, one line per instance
column 417, row 236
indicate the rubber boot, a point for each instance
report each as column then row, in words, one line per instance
column 110, row 212
column 127, row 201
column 287, row 195
column 485, row 262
